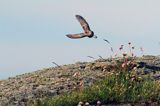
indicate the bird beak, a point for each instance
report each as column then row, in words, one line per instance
column 95, row 37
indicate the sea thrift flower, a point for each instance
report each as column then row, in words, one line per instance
column 125, row 60
column 98, row 102
column 130, row 48
column 86, row 104
column 123, row 65
column 133, row 78
column 124, row 54
column 121, row 47
column 132, row 54
column 128, row 63
column 129, row 43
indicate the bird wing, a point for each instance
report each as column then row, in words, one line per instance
column 83, row 23
column 76, row 36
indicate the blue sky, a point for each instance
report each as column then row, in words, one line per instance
column 32, row 33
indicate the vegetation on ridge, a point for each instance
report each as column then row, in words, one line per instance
column 116, row 81
column 121, row 86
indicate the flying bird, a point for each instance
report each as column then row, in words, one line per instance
column 87, row 31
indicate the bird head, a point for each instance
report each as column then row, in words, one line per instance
column 95, row 37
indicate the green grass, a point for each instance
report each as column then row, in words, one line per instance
column 121, row 87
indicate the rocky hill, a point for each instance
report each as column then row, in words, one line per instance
column 53, row 81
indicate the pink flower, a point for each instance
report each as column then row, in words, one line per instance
column 124, row 54
column 121, row 47
column 86, row 104
column 98, row 102
column 123, row 65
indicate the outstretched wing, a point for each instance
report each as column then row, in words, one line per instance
column 76, row 36
column 83, row 23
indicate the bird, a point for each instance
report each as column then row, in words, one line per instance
column 87, row 31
